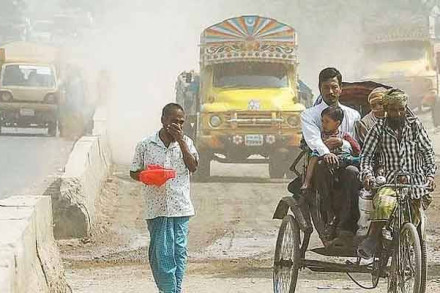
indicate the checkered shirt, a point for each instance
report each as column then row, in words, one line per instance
column 414, row 154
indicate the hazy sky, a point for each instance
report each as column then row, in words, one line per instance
column 146, row 44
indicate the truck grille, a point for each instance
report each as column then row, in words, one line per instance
column 254, row 119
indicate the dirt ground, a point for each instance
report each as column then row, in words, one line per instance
column 232, row 239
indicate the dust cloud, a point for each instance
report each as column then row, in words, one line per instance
column 145, row 47
column 146, row 44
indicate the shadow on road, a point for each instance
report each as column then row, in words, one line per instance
column 240, row 179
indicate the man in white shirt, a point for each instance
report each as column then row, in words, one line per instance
column 330, row 86
column 168, row 207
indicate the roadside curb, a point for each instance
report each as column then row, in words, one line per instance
column 75, row 193
column 30, row 260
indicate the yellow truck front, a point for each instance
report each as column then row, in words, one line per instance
column 248, row 99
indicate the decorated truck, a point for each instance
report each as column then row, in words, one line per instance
column 29, row 86
column 244, row 106
column 400, row 50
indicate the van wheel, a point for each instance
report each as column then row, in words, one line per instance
column 52, row 129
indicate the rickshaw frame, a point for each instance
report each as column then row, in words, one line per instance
column 306, row 215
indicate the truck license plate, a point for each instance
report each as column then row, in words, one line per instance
column 27, row 112
column 253, row 140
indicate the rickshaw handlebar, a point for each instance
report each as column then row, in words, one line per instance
column 400, row 185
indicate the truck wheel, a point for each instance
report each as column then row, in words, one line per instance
column 52, row 129
column 204, row 169
column 275, row 170
column 278, row 164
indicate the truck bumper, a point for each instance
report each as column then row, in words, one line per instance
column 248, row 143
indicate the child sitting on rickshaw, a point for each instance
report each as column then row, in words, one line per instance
column 332, row 118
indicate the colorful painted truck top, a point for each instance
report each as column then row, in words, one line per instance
column 247, row 100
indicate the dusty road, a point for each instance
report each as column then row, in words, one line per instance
column 232, row 238
column 231, row 242
column 29, row 159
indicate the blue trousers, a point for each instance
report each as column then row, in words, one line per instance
column 167, row 252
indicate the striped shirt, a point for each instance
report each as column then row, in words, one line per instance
column 414, row 153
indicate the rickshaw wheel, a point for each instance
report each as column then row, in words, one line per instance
column 424, row 272
column 380, row 262
column 287, row 256
column 375, row 274
column 406, row 267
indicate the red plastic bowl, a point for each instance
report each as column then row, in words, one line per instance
column 156, row 175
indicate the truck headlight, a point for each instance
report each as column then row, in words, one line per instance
column 6, row 97
column 215, row 121
column 50, row 98
column 293, row 121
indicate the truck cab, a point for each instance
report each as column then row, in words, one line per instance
column 400, row 50
column 248, row 104
column 408, row 65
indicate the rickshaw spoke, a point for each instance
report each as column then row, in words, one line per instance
column 410, row 260
column 286, row 253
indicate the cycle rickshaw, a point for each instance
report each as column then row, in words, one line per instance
column 401, row 256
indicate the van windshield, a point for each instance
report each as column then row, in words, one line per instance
column 28, row 76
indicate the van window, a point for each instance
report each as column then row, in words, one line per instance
column 28, row 76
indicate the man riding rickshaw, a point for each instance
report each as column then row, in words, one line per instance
column 403, row 145
column 341, row 225
column 398, row 146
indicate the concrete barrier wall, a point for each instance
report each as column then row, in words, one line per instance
column 29, row 258
column 80, row 186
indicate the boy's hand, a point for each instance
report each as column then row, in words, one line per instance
column 333, row 143
column 331, row 159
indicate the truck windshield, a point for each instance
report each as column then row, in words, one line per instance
column 396, row 51
column 250, row 75
column 28, row 76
